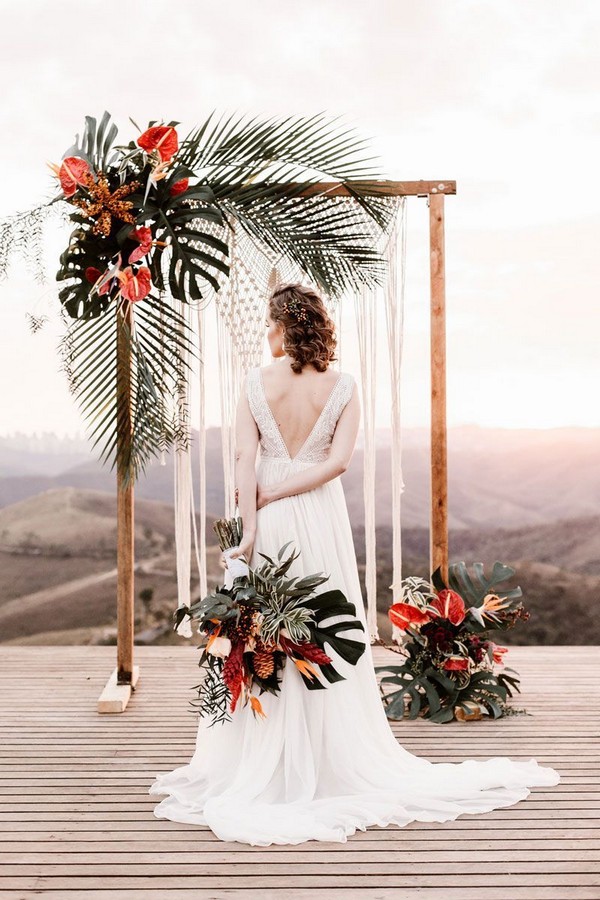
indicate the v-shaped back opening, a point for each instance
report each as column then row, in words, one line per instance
column 312, row 430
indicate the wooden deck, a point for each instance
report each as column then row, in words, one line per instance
column 76, row 819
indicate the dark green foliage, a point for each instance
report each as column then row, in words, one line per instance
column 421, row 685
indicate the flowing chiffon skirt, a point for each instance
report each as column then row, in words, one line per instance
column 324, row 763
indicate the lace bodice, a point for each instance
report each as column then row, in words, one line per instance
column 316, row 446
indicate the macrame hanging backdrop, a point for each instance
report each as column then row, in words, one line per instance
column 240, row 307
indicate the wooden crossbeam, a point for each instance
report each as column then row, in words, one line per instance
column 375, row 188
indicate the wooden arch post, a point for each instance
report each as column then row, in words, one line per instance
column 116, row 694
column 122, row 681
column 438, row 546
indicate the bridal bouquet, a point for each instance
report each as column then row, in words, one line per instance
column 448, row 670
column 261, row 620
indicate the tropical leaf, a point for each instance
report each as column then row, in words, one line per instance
column 439, row 691
column 474, row 589
column 194, row 253
column 258, row 170
column 157, row 348
column 325, row 606
column 96, row 144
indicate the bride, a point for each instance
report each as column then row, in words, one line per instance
column 323, row 763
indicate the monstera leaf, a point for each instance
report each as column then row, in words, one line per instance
column 325, row 606
column 97, row 141
column 474, row 589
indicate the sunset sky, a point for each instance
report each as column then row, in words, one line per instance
column 503, row 97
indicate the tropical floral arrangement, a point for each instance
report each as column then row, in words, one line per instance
column 263, row 621
column 154, row 220
column 131, row 203
column 448, row 671
column 145, row 231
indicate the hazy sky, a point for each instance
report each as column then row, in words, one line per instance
column 501, row 96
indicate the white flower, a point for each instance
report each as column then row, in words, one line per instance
column 185, row 627
column 219, row 646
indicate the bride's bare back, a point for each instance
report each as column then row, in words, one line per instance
column 297, row 400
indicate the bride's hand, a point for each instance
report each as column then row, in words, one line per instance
column 264, row 495
column 244, row 549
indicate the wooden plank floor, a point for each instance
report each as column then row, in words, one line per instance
column 76, row 819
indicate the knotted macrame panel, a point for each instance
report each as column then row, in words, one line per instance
column 240, row 309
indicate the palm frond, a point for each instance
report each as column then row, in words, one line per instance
column 158, row 346
column 258, row 171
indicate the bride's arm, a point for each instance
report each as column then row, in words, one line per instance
column 340, row 454
column 246, row 446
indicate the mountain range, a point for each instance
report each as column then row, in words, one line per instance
column 529, row 499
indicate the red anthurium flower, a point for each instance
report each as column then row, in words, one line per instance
column 456, row 663
column 179, row 187
column 135, row 285
column 498, row 653
column 70, row 173
column 450, row 605
column 404, row 614
column 162, row 138
column 144, row 236
column 92, row 274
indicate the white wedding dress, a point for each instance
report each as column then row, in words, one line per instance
column 325, row 762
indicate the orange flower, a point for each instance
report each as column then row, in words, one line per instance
column 492, row 603
column 456, row 663
column 144, row 236
column 306, row 668
column 498, row 653
column 135, row 285
column 257, row 708
column 404, row 614
column 450, row 605
column 179, row 187
column 70, row 173
column 162, row 138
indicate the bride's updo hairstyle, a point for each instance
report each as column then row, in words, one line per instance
column 308, row 330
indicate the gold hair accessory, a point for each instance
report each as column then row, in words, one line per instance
column 293, row 307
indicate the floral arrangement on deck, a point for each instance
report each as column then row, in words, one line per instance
column 448, row 672
column 262, row 621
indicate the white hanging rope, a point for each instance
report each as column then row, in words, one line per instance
column 227, row 412
column 182, row 495
column 394, row 313
column 200, row 540
column 366, row 323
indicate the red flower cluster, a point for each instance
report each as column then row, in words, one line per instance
column 233, row 672
column 71, row 174
column 440, row 622
column 75, row 174
column 162, row 138
column 305, row 650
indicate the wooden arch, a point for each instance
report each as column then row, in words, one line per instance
column 123, row 679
